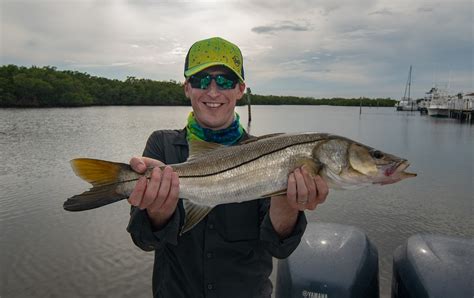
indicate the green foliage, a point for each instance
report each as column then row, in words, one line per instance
column 48, row 87
column 292, row 100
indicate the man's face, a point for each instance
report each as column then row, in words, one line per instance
column 214, row 108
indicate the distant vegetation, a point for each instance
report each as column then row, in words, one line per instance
column 49, row 87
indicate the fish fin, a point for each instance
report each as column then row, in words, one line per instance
column 254, row 139
column 276, row 193
column 194, row 214
column 96, row 197
column 98, row 172
column 311, row 165
column 197, row 147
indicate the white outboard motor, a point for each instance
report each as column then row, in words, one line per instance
column 332, row 260
column 434, row 266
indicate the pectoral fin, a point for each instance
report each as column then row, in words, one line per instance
column 312, row 166
column 276, row 193
column 194, row 214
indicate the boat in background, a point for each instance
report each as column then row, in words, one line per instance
column 439, row 102
column 407, row 103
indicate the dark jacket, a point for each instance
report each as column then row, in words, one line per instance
column 228, row 254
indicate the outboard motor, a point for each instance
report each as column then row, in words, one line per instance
column 332, row 260
column 434, row 266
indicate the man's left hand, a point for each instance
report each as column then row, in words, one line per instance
column 304, row 192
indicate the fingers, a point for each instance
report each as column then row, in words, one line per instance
column 159, row 194
column 137, row 164
column 152, row 188
column 169, row 203
column 304, row 191
column 302, row 197
column 137, row 194
column 291, row 192
column 140, row 164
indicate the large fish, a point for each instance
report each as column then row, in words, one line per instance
column 257, row 168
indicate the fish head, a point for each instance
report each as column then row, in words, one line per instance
column 377, row 166
column 349, row 165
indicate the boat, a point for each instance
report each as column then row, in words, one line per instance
column 407, row 103
column 439, row 102
column 423, row 104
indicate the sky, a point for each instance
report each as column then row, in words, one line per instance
column 315, row 48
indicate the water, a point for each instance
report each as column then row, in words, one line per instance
column 46, row 251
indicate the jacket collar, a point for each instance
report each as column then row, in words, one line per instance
column 180, row 138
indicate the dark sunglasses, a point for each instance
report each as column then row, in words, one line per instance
column 223, row 81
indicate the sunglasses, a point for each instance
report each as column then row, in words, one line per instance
column 223, row 81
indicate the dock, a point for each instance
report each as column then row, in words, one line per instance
column 461, row 115
column 461, row 107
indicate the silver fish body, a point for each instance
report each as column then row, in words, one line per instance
column 259, row 168
column 255, row 169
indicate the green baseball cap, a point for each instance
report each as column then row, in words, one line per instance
column 211, row 52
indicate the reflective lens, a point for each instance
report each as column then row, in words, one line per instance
column 223, row 81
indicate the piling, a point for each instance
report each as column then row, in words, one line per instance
column 249, row 104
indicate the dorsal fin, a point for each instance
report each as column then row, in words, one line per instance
column 254, row 139
column 197, row 147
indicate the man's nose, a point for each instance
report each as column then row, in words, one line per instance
column 212, row 90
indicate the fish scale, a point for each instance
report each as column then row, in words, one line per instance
column 229, row 157
column 255, row 169
column 248, row 181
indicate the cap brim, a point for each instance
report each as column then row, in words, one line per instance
column 196, row 69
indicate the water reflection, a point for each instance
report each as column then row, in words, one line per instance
column 48, row 252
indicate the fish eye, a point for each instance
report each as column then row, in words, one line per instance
column 377, row 154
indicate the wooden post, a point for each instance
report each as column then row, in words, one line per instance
column 249, row 104
column 360, row 105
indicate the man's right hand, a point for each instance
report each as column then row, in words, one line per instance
column 159, row 195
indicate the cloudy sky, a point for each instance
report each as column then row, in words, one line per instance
column 319, row 48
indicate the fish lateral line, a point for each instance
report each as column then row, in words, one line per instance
column 247, row 161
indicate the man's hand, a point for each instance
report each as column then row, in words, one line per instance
column 304, row 192
column 159, row 195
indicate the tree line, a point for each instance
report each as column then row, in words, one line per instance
column 48, row 87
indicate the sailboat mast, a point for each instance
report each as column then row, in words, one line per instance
column 409, row 83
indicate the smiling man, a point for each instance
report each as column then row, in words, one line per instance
column 229, row 253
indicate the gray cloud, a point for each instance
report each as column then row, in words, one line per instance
column 329, row 45
column 425, row 9
column 384, row 11
column 281, row 26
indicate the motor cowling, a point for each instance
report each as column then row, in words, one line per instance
column 433, row 266
column 332, row 260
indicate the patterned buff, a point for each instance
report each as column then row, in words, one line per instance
column 226, row 136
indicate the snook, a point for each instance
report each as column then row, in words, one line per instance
column 257, row 168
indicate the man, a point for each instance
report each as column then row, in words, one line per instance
column 229, row 253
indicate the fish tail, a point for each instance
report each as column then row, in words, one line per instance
column 104, row 176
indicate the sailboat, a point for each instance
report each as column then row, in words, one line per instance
column 407, row 103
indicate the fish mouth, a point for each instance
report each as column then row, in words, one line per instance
column 398, row 168
column 397, row 172
column 402, row 166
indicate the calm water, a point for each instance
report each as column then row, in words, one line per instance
column 48, row 252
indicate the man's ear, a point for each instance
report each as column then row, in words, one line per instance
column 187, row 86
column 241, row 90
